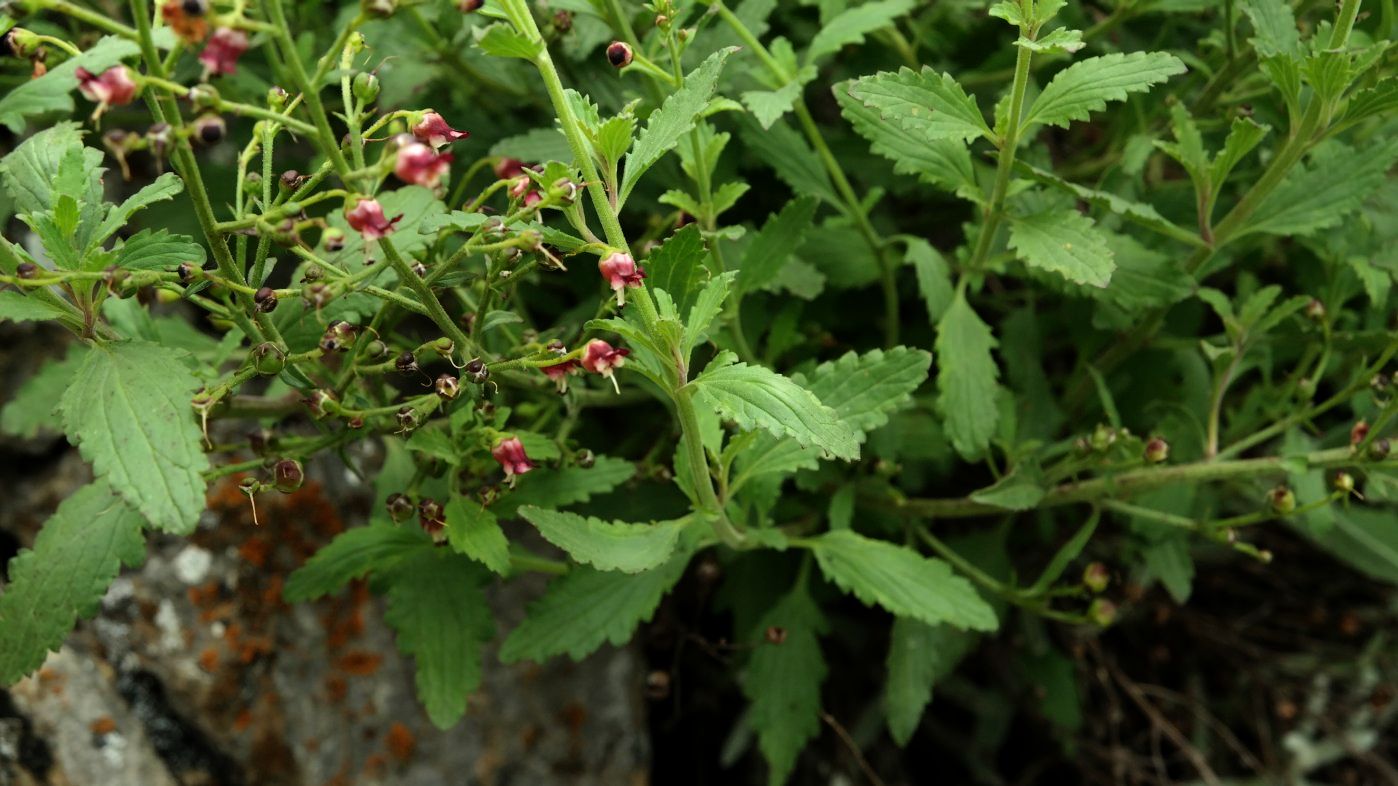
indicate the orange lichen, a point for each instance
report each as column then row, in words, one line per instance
column 359, row 663
column 400, row 742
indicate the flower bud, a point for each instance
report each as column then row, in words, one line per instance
column 291, row 180
column 1102, row 612
column 444, row 347
column 658, row 685
column 379, row 8
column 189, row 272
column 620, row 271
column 288, row 476
column 19, row 42
column 1281, row 500
column 367, row 218
column 210, row 129
column 332, row 240
column 469, row 6
column 113, row 87
column 221, row 53
column 375, row 349
column 1344, row 482
column 1157, row 450
column 418, row 164
column 265, row 300
column 366, row 86
column 432, row 517
column 432, row 129
column 478, row 372
column 1095, row 577
column 317, row 295
column 619, row 54
column 27, row 270
column 1315, row 310
column 775, row 634
column 447, row 387
column 399, row 506
column 268, row 359
column 585, row 458
column 1358, row 432
column 277, row 98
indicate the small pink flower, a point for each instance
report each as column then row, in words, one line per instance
column 433, row 130
column 507, row 168
column 112, row 88
column 509, row 451
column 220, row 55
column 367, row 218
column 533, row 198
column 599, row 357
column 418, row 163
column 621, row 272
column 519, row 187
column 559, row 372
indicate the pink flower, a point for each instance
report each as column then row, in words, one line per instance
column 418, row 163
column 220, row 55
column 559, row 372
column 367, row 218
column 599, row 357
column 433, row 130
column 112, row 88
column 509, row 451
column 533, row 198
column 507, row 168
column 621, row 272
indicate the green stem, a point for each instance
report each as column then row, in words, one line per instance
column 309, row 90
column 100, row 21
column 994, row 208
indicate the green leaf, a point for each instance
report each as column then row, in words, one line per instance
column 755, row 398
column 1087, row 85
column 1021, row 489
column 351, row 555
column 1137, row 212
column 78, row 552
column 437, row 607
column 158, row 250
column 768, row 106
column 18, row 307
column 28, row 171
column 614, row 137
column 52, row 92
column 1144, row 277
column 31, row 411
column 923, row 103
column 129, row 413
column 559, row 488
column 966, row 378
column 900, row 580
column 1365, row 539
column 472, row 530
column 851, row 25
column 1064, row 242
column 539, row 144
column 771, row 247
column 706, row 309
column 945, row 163
column 1244, row 135
column 1060, row 41
column 501, row 40
column 677, row 267
column 675, row 118
column 1320, row 194
column 933, row 276
column 1372, row 102
column 781, row 148
column 1168, row 560
column 586, row 608
column 614, row 545
column 918, row 656
column 1275, row 26
column 864, row 389
column 1068, row 552
column 164, row 188
column 783, row 682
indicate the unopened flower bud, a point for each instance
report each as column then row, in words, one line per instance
column 444, row 347
column 1157, row 450
column 332, row 240
column 1344, row 482
column 268, row 359
column 317, row 295
column 1380, row 448
column 366, row 86
column 375, row 349
column 399, row 506
column 288, row 476
column 469, row 6
column 585, row 458
column 406, row 363
column 339, row 336
column 189, row 272
column 1095, row 577
column 619, row 54
column 658, row 685
column 1281, row 500
column 291, row 180
column 276, row 98
column 210, row 129
column 265, row 300
column 478, row 371
column 1358, row 432
column 1315, row 310
column 1102, row 612
column 379, row 8
column 27, row 270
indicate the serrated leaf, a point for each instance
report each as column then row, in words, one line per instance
column 606, row 545
column 79, row 551
column 614, row 137
column 1243, row 136
column 17, row 307
column 1064, row 242
column 52, row 92
column 706, row 309
column 783, row 681
column 1144, row 277
column 1019, row 490
column 1139, row 213
column 966, row 378
column 945, row 163
column 559, row 488
column 851, row 25
column 768, row 106
column 933, row 276
column 918, row 656
column 472, row 530
column 1275, row 27
column 28, row 174
column 437, row 608
column 129, row 413
column 756, row 397
column 1060, row 41
column 781, row 148
column 864, row 389
column 1320, row 194
column 1372, row 102
column 586, row 608
column 672, row 120
column 351, row 555
column 539, row 144
column 1087, row 85
column 900, row 580
column 158, row 250
column 501, row 40
column 677, row 267
column 164, row 188
column 32, row 409
column 771, row 247
column 924, row 103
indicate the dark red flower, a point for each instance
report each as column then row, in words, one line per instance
column 112, row 87
column 419, row 164
column 367, row 218
column 599, row 357
column 509, row 451
column 559, row 373
column 621, row 272
column 433, row 130
column 220, row 55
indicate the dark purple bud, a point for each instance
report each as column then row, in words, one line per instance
column 265, row 300
column 210, row 129
column 27, row 270
column 406, row 363
column 619, row 54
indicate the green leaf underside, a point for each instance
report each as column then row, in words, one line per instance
column 351, row 555
column 1087, row 85
column 901, row 581
column 756, row 397
column 918, row 656
column 587, row 608
column 783, row 682
column 472, row 530
column 129, row 412
column 1064, row 242
column 17, row 307
column 438, row 609
column 945, row 163
column 606, row 545
column 966, row 378
column 33, row 409
column 77, row 554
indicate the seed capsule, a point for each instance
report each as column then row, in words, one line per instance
column 265, row 300
column 619, row 54
column 1282, row 500
column 447, row 386
column 288, row 476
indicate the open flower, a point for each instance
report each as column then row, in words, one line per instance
column 417, row 163
column 599, row 357
column 367, row 218
column 509, row 451
column 220, row 55
column 621, row 272
column 433, row 130
column 559, row 373
column 112, row 87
